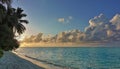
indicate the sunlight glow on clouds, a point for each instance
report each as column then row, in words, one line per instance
column 116, row 21
column 100, row 29
column 98, row 20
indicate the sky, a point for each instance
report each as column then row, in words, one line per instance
column 54, row 16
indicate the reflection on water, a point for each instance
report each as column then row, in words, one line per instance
column 77, row 58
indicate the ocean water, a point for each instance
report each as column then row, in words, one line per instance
column 76, row 58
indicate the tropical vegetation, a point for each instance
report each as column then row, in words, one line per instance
column 11, row 23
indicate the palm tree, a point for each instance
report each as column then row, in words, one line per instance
column 11, row 22
column 13, row 17
column 15, row 21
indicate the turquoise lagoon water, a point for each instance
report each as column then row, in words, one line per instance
column 76, row 58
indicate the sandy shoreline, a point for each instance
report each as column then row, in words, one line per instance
column 12, row 60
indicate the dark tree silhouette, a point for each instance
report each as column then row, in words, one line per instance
column 14, row 20
column 11, row 22
column 7, row 2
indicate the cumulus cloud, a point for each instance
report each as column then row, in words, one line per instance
column 62, row 20
column 100, row 29
column 65, row 20
column 98, row 20
column 66, row 36
column 70, row 17
column 70, row 36
column 96, row 30
column 38, row 37
column 116, row 21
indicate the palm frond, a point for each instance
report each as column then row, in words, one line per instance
column 19, row 10
column 20, row 28
column 24, row 21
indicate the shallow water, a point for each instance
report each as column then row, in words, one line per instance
column 76, row 58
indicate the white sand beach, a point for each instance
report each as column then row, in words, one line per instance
column 12, row 60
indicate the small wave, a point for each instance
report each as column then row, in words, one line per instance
column 46, row 62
